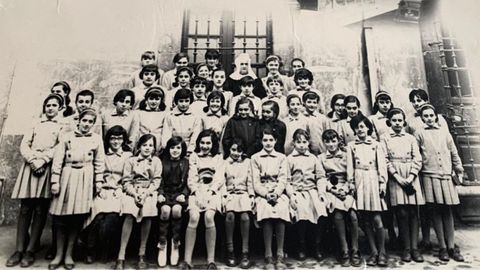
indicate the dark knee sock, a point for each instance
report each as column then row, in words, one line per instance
column 163, row 231
column 404, row 227
column 38, row 223
column 301, row 232
column 176, row 229
column 340, row 226
column 280, row 236
column 267, row 237
column 229, row 229
column 23, row 225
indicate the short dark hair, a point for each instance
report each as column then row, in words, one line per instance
column 85, row 93
column 122, row 94
column 381, row 97
column 271, row 79
column 215, row 143
column 183, row 93
column 274, row 105
column 148, row 55
column 198, row 80
column 153, row 91
column 175, row 140
column 297, row 59
column 422, row 94
column 292, row 96
column 394, row 111
column 332, row 103
column 330, row 134
column 350, row 99
column 219, row 95
column 143, row 139
column 270, row 131
column 116, row 131
column 150, row 68
column 244, row 100
column 310, row 95
column 301, row 132
column 213, row 53
column 303, row 73
column 179, row 56
column 180, row 70
column 357, row 119
column 247, row 80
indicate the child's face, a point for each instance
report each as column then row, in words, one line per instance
column 154, row 102
column 182, row 62
column 418, row 102
column 338, row 106
column 274, row 87
column 384, row 105
column 203, row 72
column 429, row 117
column 273, row 66
column 51, row 108
column 235, row 152
column 244, row 110
column 295, row 106
column 116, row 142
column 147, row 148
column 219, row 78
column 147, row 61
column 206, row 145
column 303, row 83
column 331, row 145
column 268, row 142
column 267, row 112
column 301, row 144
column 296, row 65
column 86, row 123
column 199, row 90
column 247, row 89
column 124, row 105
column 183, row 104
column 215, row 105
column 311, row 105
column 149, row 77
column 352, row 109
column 184, row 79
column 211, row 61
column 361, row 130
column 83, row 102
column 175, row 151
column 58, row 90
column 243, row 68
column 397, row 122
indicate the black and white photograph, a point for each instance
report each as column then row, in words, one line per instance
column 239, row 134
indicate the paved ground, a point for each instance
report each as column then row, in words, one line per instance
column 468, row 238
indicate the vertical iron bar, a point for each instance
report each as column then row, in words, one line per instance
column 195, row 41
column 244, row 35
column 185, row 30
column 257, row 43
column 208, row 33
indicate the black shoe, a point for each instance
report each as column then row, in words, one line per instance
column 28, row 259
column 406, row 255
column 455, row 254
column 269, row 263
column 443, row 255
column 280, row 264
column 245, row 262
column 355, row 259
column 425, row 245
column 372, row 260
column 141, row 262
column 89, row 259
column 231, row 262
column 119, row 265
column 211, row 266
column 53, row 266
column 15, row 259
column 319, row 255
column 417, row 256
column 382, row 260
column 344, row 259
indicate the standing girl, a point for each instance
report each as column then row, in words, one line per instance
column 275, row 89
column 366, row 168
column 294, row 120
column 107, row 203
column 238, row 199
column 273, row 63
column 243, row 68
column 33, row 182
column 340, row 197
column 182, row 81
column 337, row 112
column 440, row 159
column 218, row 78
column 404, row 163
column 181, row 121
column 247, row 87
column 172, row 198
column 205, row 195
column 242, row 125
column 352, row 106
column 306, row 191
column 304, row 80
column 383, row 103
column 215, row 116
column 179, row 60
column 270, row 172
column 270, row 111
column 152, row 114
column 78, row 163
column 142, row 175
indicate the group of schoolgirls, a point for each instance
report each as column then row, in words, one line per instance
column 261, row 149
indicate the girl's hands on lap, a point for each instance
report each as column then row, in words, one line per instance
column 55, row 189
column 180, row 198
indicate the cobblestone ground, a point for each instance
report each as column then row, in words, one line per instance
column 468, row 238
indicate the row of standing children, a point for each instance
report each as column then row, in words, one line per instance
column 361, row 189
